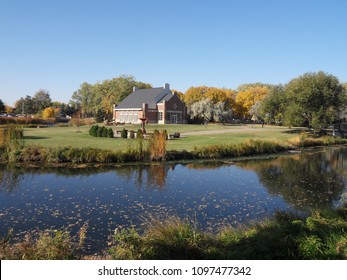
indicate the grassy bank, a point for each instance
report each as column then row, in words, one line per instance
column 79, row 137
column 322, row 235
column 139, row 153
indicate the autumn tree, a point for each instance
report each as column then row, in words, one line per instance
column 247, row 96
column 179, row 94
column 9, row 109
column 48, row 113
column 214, row 94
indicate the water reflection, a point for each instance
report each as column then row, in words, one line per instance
column 148, row 176
column 9, row 180
column 213, row 193
column 308, row 180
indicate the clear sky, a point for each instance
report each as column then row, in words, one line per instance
column 59, row 44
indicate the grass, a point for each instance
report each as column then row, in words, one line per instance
column 321, row 235
column 70, row 136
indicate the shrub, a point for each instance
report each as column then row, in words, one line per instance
column 93, row 131
column 110, row 133
column 45, row 245
column 131, row 134
column 124, row 133
column 100, row 131
column 139, row 134
column 11, row 141
column 104, row 132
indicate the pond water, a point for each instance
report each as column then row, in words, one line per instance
column 210, row 194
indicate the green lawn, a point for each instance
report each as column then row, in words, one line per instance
column 210, row 135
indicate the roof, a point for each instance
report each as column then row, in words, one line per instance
column 166, row 98
column 140, row 96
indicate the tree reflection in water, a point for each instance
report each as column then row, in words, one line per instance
column 9, row 179
column 309, row 180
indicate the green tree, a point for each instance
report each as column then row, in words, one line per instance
column 102, row 96
column 2, row 107
column 25, row 105
column 84, row 100
column 41, row 100
column 272, row 106
column 314, row 100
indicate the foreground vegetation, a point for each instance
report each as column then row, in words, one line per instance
column 322, row 235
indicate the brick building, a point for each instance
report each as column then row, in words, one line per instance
column 158, row 105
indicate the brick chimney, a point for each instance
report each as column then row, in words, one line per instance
column 166, row 86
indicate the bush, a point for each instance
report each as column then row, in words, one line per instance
column 101, row 131
column 131, row 134
column 124, row 133
column 93, row 131
column 139, row 134
column 110, row 133
column 104, row 132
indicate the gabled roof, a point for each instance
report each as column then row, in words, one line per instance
column 166, row 98
column 148, row 96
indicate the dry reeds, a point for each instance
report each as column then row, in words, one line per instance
column 157, row 145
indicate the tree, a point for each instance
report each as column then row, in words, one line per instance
column 9, row 109
column 194, row 94
column 272, row 106
column 2, row 106
column 248, row 96
column 41, row 100
column 102, row 96
column 62, row 109
column 48, row 113
column 220, row 114
column 202, row 109
column 25, row 105
column 83, row 99
column 314, row 100
column 207, row 111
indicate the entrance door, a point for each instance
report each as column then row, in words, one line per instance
column 173, row 118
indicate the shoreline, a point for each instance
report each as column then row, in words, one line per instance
column 222, row 160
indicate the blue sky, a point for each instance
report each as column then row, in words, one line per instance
column 59, row 44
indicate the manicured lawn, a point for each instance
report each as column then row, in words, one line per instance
column 192, row 136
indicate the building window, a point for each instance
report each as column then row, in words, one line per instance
column 168, row 116
column 160, row 116
column 136, row 116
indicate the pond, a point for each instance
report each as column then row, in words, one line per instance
column 212, row 195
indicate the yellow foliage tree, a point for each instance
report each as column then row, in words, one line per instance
column 247, row 98
column 48, row 113
column 214, row 94
column 9, row 109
